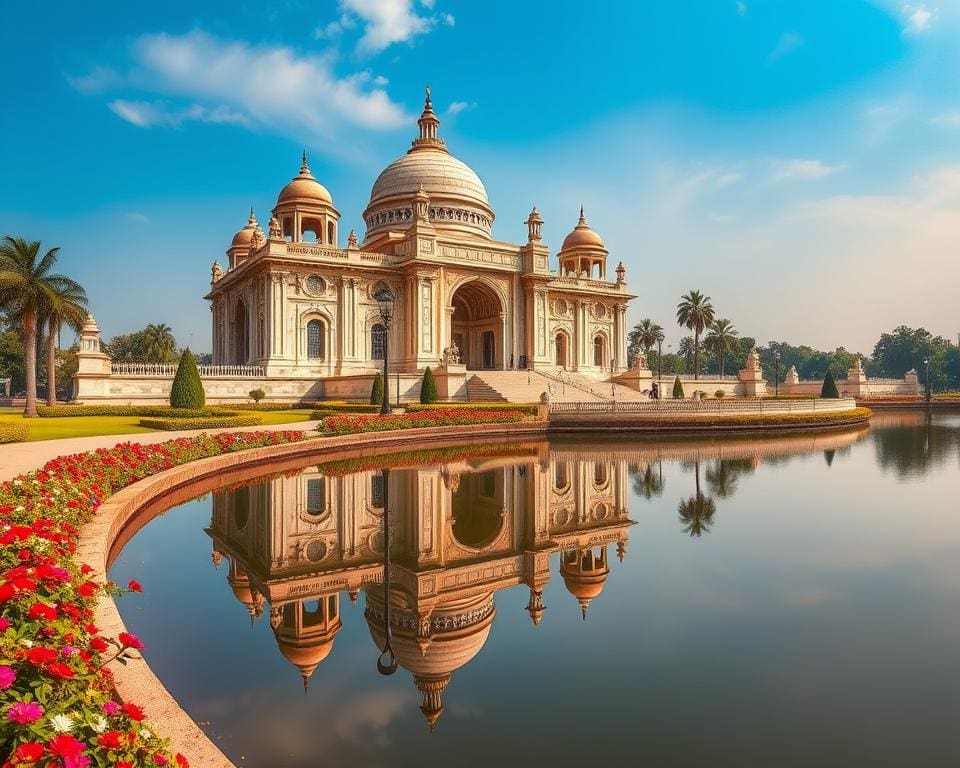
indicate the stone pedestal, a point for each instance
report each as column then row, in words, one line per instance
column 451, row 381
column 640, row 379
column 751, row 377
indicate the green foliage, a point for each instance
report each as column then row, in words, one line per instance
column 678, row 389
column 428, row 387
column 13, row 432
column 907, row 348
column 187, row 389
column 829, row 388
column 696, row 313
column 530, row 409
column 720, row 394
column 11, row 360
column 208, row 422
column 376, row 391
column 153, row 344
column 264, row 406
column 645, row 335
column 721, row 338
column 165, row 411
column 329, row 409
column 257, row 395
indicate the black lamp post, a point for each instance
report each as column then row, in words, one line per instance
column 387, row 661
column 385, row 300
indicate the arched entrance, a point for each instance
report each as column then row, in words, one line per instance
column 600, row 351
column 241, row 334
column 476, row 326
column 562, row 346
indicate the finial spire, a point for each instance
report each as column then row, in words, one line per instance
column 583, row 219
column 429, row 127
column 252, row 219
column 304, row 166
column 427, row 103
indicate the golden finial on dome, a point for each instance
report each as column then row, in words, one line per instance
column 583, row 219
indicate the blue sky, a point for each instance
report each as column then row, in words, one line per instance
column 798, row 160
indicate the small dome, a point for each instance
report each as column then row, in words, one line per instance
column 582, row 236
column 304, row 187
column 305, row 657
column 245, row 235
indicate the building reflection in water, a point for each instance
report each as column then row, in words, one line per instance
column 461, row 529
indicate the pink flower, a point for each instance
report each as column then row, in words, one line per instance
column 7, row 677
column 130, row 641
column 4, row 624
column 25, row 712
column 111, row 707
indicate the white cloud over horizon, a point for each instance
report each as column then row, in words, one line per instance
column 917, row 18
column 803, row 170
column 387, row 22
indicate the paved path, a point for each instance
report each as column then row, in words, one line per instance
column 18, row 458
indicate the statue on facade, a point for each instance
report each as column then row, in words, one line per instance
column 639, row 361
column 451, row 355
column 216, row 272
column 276, row 233
column 352, row 240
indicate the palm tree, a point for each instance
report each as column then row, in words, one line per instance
column 696, row 513
column 696, row 313
column 686, row 350
column 721, row 338
column 647, row 483
column 66, row 305
column 26, row 290
column 648, row 333
column 160, row 344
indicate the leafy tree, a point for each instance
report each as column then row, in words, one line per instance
column 829, row 388
column 257, row 395
column 685, row 350
column 153, row 344
column 65, row 305
column 906, row 348
column 428, row 387
column 376, row 392
column 678, row 389
column 696, row 313
column 722, row 337
column 645, row 335
column 26, row 287
column 159, row 344
column 11, row 360
column 187, row 389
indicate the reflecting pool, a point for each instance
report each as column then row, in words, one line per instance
column 790, row 601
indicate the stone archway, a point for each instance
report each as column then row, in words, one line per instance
column 241, row 334
column 477, row 326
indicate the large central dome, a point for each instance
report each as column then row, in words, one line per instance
column 458, row 199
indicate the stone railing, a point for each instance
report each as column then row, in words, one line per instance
column 170, row 369
column 715, row 406
column 568, row 381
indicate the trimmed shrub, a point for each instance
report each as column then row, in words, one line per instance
column 265, row 406
column 209, row 422
column 678, row 389
column 829, row 386
column 428, row 387
column 13, row 432
column 187, row 389
column 720, row 394
column 376, row 391
column 257, row 395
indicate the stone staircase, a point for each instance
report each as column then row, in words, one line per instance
column 524, row 387
column 480, row 391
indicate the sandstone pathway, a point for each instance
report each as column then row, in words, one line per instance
column 17, row 458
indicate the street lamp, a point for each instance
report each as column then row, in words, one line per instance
column 387, row 661
column 385, row 300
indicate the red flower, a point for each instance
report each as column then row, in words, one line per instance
column 39, row 656
column 132, row 711
column 124, row 764
column 111, row 740
column 42, row 611
column 61, row 670
column 181, row 761
column 29, row 752
column 99, row 644
column 134, row 586
column 66, row 746
column 130, row 641
column 87, row 589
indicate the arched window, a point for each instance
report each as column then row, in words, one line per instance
column 331, row 234
column 599, row 353
column 560, row 479
column 315, row 340
column 599, row 474
column 377, row 338
column 316, row 496
column 377, row 490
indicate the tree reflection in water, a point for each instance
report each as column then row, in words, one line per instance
column 914, row 444
column 696, row 513
column 647, row 482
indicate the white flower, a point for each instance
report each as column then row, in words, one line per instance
column 18, row 483
column 62, row 723
column 145, row 734
column 100, row 724
column 27, row 643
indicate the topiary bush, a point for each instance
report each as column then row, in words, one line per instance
column 829, row 386
column 678, row 389
column 187, row 389
column 376, row 392
column 428, row 387
column 719, row 394
column 257, row 395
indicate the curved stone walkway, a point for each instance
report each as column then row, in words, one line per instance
column 17, row 458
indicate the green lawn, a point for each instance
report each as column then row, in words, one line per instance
column 87, row 426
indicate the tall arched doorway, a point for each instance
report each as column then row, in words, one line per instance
column 241, row 334
column 600, row 351
column 476, row 326
column 562, row 347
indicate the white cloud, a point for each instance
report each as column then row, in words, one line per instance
column 448, row 19
column 457, row 107
column 230, row 81
column 146, row 114
column 140, row 218
column 96, row 80
column 741, row 8
column 803, row 170
column 949, row 120
column 917, row 18
column 390, row 21
column 787, row 44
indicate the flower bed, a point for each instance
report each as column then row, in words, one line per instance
column 207, row 422
column 348, row 424
column 13, row 432
column 529, row 409
column 57, row 704
column 328, row 409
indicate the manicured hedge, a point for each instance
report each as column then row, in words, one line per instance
column 347, row 424
column 327, row 410
column 208, row 422
column 529, row 409
column 187, row 388
column 13, row 432
column 264, row 406
column 62, row 411
column 58, row 706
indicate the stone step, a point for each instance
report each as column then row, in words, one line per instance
column 479, row 391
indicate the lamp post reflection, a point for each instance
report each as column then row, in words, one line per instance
column 387, row 661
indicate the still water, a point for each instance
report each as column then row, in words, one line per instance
column 791, row 601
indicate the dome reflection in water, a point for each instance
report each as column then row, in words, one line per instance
column 793, row 596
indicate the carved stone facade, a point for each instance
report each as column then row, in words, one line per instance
column 295, row 303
